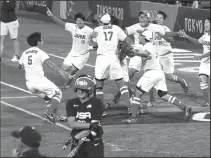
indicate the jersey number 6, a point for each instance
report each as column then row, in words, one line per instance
column 110, row 34
column 30, row 60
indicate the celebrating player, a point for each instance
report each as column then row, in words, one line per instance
column 165, row 54
column 107, row 62
column 85, row 113
column 32, row 61
column 135, row 63
column 79, row 54
column 9, row 24
column 204, row 69
column 153, row 77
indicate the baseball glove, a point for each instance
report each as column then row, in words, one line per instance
column 125, row 49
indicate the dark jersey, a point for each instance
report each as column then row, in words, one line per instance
column 84, row 112
column 32, row 153
column 8, row 11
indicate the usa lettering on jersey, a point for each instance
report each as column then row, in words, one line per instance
column 83, row 115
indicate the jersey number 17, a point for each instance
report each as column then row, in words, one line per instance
column 108, row 35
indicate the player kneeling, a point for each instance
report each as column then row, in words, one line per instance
column 85, row 113
column 32, row 61
column 153, row 77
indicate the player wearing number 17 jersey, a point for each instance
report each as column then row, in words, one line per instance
column 107, row 62
column 32, row 61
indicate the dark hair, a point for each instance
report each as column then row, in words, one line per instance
column 208, row 18
column 80, row 16
column 114, row 20
column 34, row 38
column 163, row 13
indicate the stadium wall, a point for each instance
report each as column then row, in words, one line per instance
column 179, row 18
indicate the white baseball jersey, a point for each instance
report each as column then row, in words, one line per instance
column 80, row 38
column 151, row 62
column 108, row 38
column 162, row 46
column 205, row 41
column 132, row 30
column 32, row 59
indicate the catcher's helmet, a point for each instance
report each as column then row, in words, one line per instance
column 85, row 82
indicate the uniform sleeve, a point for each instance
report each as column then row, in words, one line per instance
column 69, row 27
column 98, row 110
column 121, row 34
column 69, row 109
column 43, row 56
column 21, row 59
column 167, row 29
column 201, row 39
column 131, row 30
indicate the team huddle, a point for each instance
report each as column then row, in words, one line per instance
column 151, row 53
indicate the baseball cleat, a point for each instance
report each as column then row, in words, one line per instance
column 62, row 118
column 184, row 86
column 15, row 58
column 131, row 120
column 188, row 111
column 151, row 103
column 50, row 117
column 205, row 104
column 104, row 114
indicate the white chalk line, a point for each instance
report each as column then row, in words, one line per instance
column 35, row 115
column 114, row 147
column 20, row 97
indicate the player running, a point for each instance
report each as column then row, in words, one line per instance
column 9, row 24
column 135, row 64
column 84, row 114
column 107, row 63
column 79, row 54
column 204, row 69
column 32, row 60
column 166, row 57
column 153, row 77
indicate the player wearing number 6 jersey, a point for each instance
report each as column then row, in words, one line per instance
column 79, row 54
column 32, row 61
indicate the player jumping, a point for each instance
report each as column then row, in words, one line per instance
column 166, row 57
column 79, row 54
column 153, row 77
column 85, row 114
column 204, row 69
column 32, row 61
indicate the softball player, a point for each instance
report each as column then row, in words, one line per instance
column 32, row 61
column 153, row 77
column 204, row 69
column 79, row 54
column 85, row 113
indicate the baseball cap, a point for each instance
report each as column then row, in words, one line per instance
column 144, row 12
column 28, row 135
column 147, row 35
column 105, row 18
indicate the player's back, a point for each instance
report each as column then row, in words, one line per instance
column 32, row 59
column 108, row 39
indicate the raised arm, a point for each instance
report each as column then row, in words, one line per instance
column 50, row 64
column 54, row 18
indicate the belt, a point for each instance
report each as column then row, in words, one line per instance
column 169, row 52
column 88, row 140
